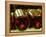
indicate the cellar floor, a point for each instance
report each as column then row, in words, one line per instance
column 28, row 30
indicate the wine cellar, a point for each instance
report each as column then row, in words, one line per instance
column 24, row 18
